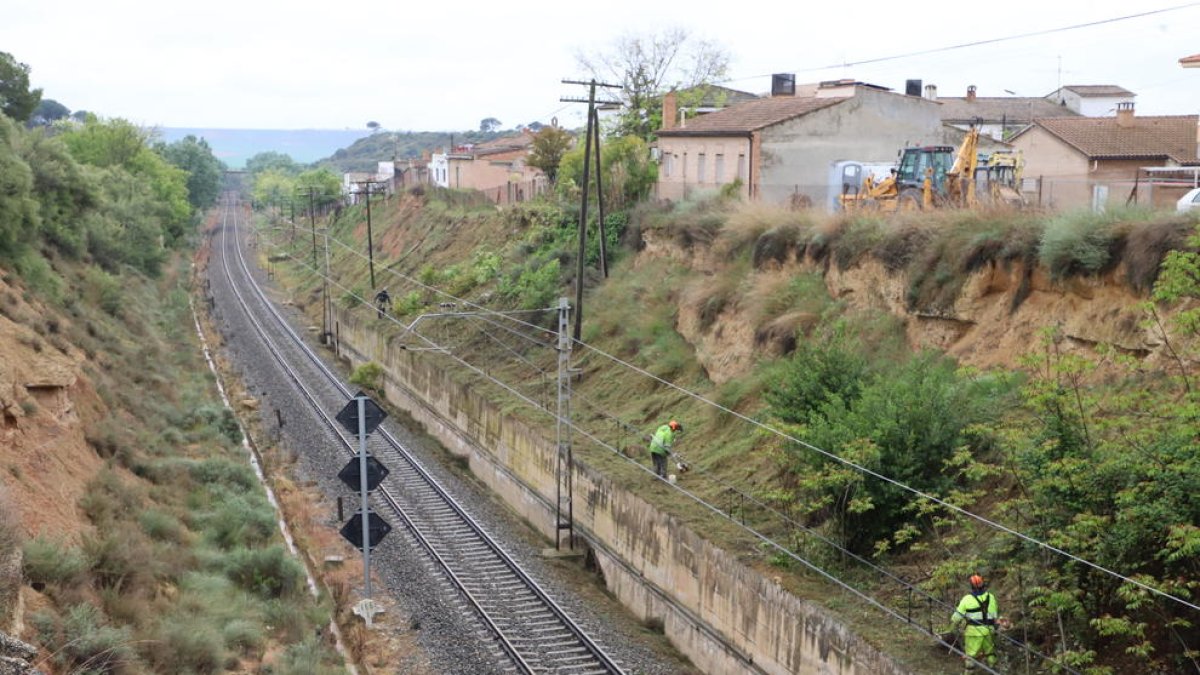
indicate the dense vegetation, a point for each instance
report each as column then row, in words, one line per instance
column 181, row 568
column 1085, row 450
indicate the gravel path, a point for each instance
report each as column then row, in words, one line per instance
column 453, row 640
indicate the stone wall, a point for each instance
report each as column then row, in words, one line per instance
column 725, row 617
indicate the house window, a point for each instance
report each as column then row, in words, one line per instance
column 742, row 168
column 668, row 164
column 719, row 169
column 685, row 167
column 700, row 168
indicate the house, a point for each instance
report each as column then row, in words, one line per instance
column 782, row 148
column 998, row 117
column 490, row 165
column 1091, row 100
column 1192, row 61
column 439, row 168
column 355, row 183
column 1090, row 160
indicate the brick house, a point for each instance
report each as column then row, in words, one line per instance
column 1082, row 160
column 487, row 166
column 782, row 148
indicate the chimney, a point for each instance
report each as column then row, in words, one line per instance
column 1125, row 114
column 931, row 92
column 670, row 111
column 971, row 94
column 912, row 87
column 783, row 84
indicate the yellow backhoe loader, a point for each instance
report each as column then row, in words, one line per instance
column 935, row 176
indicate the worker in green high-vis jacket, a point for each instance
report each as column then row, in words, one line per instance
column 660, row 446
column 979, row 613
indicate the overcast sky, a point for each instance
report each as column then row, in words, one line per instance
column 445, row 65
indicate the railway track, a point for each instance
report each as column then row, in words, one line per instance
column 530, row 631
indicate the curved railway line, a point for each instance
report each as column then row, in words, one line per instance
column 530, row 631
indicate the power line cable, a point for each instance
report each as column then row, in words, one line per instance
column 978, row 43
column 875, row 474
column 694, row 496
column 834, row 457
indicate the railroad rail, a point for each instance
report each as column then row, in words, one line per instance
column 532, row 633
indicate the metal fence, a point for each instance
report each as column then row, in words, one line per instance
column 516, row 192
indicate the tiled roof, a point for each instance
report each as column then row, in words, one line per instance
column 1087, row 90
column 750, row 116
column 1172, row 136
column 1016, row 109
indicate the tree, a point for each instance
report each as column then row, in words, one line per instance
column 204, row 169
column 48, row 111
column 647, row 66
column 328, row 186
column 373, row 126
column 17, row 100
column 489, row 124
column 549, row 146
column 274, row 161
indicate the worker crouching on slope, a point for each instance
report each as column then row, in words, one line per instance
column 660, row 446
column 978, row 612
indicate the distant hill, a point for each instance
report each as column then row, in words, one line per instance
column 235, row 146
column 364, row 153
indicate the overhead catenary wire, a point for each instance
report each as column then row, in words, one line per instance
column 830, row 455
column 714, row 508
column 887, row 479
column 693, row 496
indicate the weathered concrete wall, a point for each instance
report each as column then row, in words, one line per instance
column 726, row 617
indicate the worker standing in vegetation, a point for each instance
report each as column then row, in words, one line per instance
column 383, row 302
column 978, row 612
column 660, row 446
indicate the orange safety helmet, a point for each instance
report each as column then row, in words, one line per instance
column 675, row 426
column 976, row 581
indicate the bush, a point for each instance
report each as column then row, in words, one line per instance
column 51, row 562
column 269, row 572
column 188, row 645
column 162, row 526
column 239, row 519
column 223, row 472
column 904, row 422
column 1075, row 243
column 535, row 287
column 218, row 418
column 84, row 643
column 368, row 376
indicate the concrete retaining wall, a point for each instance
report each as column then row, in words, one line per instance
column 722, row 615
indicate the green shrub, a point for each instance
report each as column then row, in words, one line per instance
column 534, row 287
column 225, row 472
column 188, row 644
column 1075, row 243
column 162, row 526
column 38, row 276
column 407, row 304
column 307, row 658
column 217, row 417
column 239, row 519
column 368, row 376
column 52, row 562
column 268, row 572
column 83, row 642
column 243, row 635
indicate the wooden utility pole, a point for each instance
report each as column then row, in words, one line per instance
column 593, row 129
column 365, row 189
